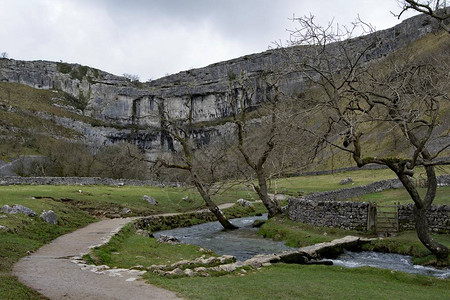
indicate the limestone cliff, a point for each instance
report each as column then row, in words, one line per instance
column 117, row 101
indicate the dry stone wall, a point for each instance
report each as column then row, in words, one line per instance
column 438, row 218
column 17, row 180
column 325, row 209
column 336, row 214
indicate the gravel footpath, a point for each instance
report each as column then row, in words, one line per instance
column 52, row 272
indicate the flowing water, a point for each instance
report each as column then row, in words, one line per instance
column 390, row 261
column 243, row 243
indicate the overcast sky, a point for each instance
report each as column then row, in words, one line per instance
column 152, row 38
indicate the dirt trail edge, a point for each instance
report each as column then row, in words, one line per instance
column 51, row 270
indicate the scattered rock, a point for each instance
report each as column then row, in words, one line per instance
column 80, row 191
column 244, row 203
column 189, row 272
column 144, row 233
column 3, row 216
column 177, row 271
column 186, row 198
column 125, row 211
column 168, row 239
column 258, row 223
column 150, row 200
column 278, row 197
column 180, row 263
column 345, row 181
column 226, row 259
column 226, row 268
column 3, row 228
column 49, row 217
column 18, row 209
column 200, row 269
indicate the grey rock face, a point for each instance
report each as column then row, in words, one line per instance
column 116, row 100
column 15, row 209
column 49, row 217
column 150, row 200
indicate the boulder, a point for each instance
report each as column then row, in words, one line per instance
column 186, row 198
column 150, row 200
column 18, row 209
column 49, row 217
column 3, row 228
column 345, row 181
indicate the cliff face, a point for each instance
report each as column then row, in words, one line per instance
column 118, row 101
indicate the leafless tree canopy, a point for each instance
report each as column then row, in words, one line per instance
column 437, row 9
column 407, row 95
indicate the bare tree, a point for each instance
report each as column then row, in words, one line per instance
column 360, row 102
column 437, row 9
column 203, row 165
column 262, row 132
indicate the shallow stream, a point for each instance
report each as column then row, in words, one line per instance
column 243, row 243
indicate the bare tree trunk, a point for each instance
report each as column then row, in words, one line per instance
column 273, row 207
column 423, row 233
column 211, row 205
column 421, row 208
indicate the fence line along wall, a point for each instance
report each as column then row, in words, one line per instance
column 325, row 209
column 17, row 180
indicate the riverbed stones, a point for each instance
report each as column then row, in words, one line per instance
column 150, row 200
column 15, row 209
column 50, row 217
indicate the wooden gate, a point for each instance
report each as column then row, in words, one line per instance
column 387, row 219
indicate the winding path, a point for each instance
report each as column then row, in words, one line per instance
column 54, row 271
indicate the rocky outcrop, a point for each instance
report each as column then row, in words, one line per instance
column 118, row 101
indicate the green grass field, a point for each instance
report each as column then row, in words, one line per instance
column 279, row 281
column 282, row 281
column 401, row 195
column 28, row 234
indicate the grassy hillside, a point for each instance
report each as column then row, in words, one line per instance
column 25, row 118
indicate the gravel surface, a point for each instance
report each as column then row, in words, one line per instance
column 53, row 272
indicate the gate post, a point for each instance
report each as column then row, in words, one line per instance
column 372, row 217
